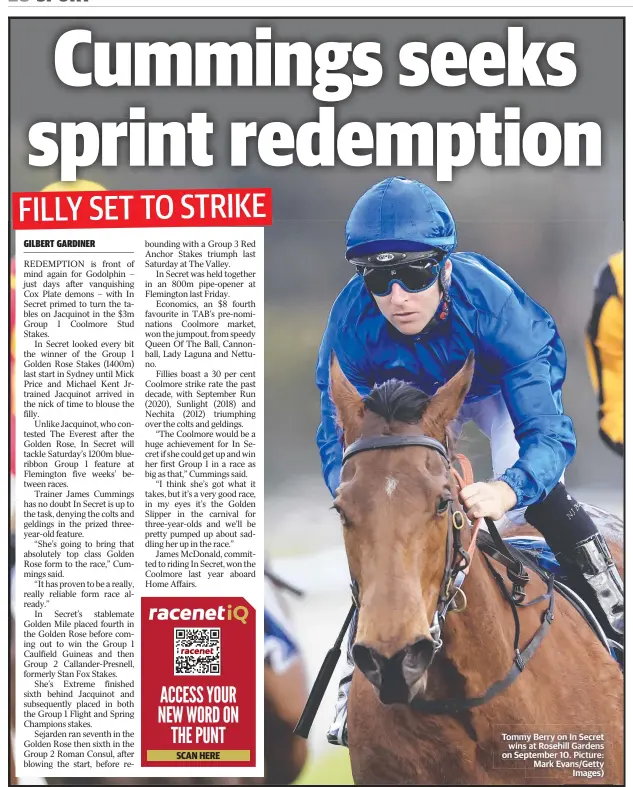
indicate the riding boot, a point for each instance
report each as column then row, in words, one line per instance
column 583, row 555
column 337, row 733
column 590, row 562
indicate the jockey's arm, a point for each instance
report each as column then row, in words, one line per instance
column 329, row 436
column 528, row 356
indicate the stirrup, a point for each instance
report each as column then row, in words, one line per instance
column 337, row 732
column 592, row 559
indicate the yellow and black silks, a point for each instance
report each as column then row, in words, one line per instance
column 605, row 351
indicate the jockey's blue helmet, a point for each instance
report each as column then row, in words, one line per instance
column 399, row 214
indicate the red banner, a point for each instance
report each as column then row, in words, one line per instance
column 128, row 209
column 198, row 698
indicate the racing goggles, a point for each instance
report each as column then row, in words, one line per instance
column 414, row 271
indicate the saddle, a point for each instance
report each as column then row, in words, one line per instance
column 534, row 552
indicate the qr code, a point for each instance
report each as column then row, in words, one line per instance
column 197, row 651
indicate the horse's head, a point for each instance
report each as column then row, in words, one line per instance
column 394, row 508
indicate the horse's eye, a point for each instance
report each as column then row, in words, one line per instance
column 442, row 506
column 344, row 521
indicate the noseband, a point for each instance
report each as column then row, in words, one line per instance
column 455, row 571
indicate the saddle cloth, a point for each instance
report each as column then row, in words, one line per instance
column 537, row 548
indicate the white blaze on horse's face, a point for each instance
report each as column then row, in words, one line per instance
column 390, row 486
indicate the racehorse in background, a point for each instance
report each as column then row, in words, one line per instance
column 434, row 691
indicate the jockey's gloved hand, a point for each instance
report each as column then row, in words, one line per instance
column 491, row 499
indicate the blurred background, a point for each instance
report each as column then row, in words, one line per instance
column 549, row 228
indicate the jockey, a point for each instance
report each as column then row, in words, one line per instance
column 604, row 340
column 413, row 311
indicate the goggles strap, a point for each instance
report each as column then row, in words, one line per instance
column 445, row 283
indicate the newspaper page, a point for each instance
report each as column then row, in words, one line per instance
column 316, row 426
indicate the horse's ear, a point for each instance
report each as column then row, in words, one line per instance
column 347, row 400
column 446, row 403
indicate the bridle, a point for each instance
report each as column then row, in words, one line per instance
column 457, row 558
column 456, row 568
column 458, row 561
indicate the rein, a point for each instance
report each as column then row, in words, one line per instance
column 458, row 562
column 462, row 481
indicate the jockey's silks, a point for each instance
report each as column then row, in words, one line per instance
column 518, row 351
column 605, row 350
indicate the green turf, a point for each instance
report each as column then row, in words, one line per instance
column 330, row 768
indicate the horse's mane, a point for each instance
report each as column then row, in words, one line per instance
column 396, row 400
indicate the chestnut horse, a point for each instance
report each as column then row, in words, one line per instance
column 397, row 507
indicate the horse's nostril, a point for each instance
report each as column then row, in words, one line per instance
column 416, row 660
column 369, row 662
column 398, row 676
column 364, row 657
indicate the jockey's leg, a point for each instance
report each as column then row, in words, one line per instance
column 337, row 733
column 568, row 529
column 583, row 555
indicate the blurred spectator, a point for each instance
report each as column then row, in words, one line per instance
column 605, row 350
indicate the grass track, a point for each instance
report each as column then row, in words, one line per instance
column 329, row 768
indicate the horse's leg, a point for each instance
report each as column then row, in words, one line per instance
column 285, row 697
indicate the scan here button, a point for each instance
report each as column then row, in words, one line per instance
column 228, row 755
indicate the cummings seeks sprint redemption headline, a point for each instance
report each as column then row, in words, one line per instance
column 332, row 71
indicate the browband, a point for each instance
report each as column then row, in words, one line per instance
column 395, row 441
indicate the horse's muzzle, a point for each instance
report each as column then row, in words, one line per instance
column 398, row 677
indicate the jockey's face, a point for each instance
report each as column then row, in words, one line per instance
column 410, row 312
